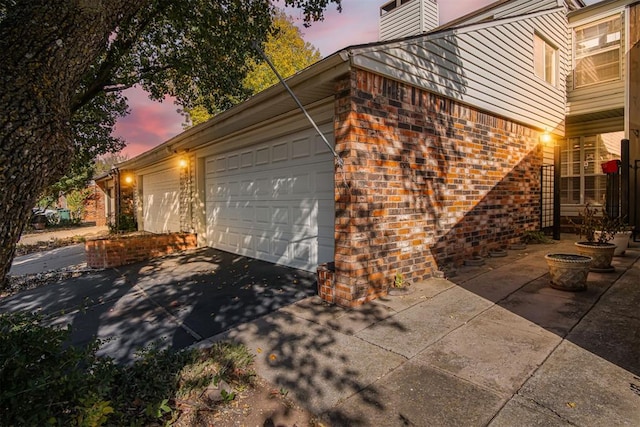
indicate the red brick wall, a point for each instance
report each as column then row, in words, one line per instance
column 94, row 207
column 113, row 252
column 431, row 182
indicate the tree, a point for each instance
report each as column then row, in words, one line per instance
column 58, row 56
column 92, row 128
column 288, row 52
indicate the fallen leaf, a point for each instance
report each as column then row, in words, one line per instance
column 272, row 357
column 259, row 350
column 571, row 404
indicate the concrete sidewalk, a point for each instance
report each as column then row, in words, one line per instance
column 494, row 345
column 67, row 257
column 46, row 235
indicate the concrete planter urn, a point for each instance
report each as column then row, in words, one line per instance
column 568, row 272
column 621, row 240
column 602, row 254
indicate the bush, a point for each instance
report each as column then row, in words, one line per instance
column 124, row 224
column 44, row 381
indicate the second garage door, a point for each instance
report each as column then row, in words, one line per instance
column 161, row 201
column 273, row 201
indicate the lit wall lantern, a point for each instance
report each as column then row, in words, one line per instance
column 546, row 138
column 183, row 163
column 128, row 179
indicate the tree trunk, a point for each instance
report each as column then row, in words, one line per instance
column 47, row 48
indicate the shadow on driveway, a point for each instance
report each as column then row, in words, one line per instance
column 176, row 300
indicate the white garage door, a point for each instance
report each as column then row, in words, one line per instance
column 161, row 201
column 274, row 201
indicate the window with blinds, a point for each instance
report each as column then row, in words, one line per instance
column 597, row 50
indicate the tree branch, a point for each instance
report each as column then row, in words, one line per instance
column 119, row 47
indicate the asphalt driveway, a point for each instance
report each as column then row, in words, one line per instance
column 174, row 301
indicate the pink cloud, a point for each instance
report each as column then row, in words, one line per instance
column 149, row 124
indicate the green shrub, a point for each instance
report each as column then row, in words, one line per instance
column 45, row 381
column 125, row 223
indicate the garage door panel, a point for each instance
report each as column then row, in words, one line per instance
column 262, row 156
column 301, row 183
column 263, row 247
column 302, row 217
column 280, row 152
column 279, row 248
column 233, row 162
column 280, row 215
column 301, row 250
column 265, row 202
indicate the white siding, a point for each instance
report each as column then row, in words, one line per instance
column 511, row 9
column 412, row 18
column 400, row 22
column 489, row 66
column 430, row 15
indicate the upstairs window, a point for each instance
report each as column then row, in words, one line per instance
column 597, row 52
column 545, row 60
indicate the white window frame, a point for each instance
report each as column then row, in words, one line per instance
column 545, row 59
column 577, row 57
column 584, row 162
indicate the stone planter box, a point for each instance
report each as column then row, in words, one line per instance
column 121, row 250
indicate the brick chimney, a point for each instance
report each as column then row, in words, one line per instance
column 402, row 18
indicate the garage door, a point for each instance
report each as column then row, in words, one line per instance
column 161, row 201
column 273, row 201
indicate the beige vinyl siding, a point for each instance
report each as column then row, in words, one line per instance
column 523, row 7
column 489, row 66
column 412, row 18
column 592, row 127
column 597, row 97
column 430, row 15
column 400, row 22
column 512, row 9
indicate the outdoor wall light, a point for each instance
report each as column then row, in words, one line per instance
column 546, row 138
column 183, row 163
column 128, row 179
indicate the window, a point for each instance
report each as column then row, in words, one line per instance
column 545, row 60
column 597, row 52
column 582, row 178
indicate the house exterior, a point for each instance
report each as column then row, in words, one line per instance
column 440, row 142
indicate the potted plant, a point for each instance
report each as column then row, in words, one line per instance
column 399, row 286
column 568, row 272
column 598, row 229
column 621, row 234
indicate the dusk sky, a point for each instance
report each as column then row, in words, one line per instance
column 151, row 123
